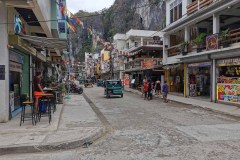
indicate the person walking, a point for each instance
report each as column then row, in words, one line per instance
column 165, row 91
column 158, row 87
column 145, row 88
column 150, row 87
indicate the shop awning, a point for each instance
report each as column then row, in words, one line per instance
column 47, row 43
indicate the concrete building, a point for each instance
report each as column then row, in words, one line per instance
column 142, row 52
column 119, row 43
column 201, row 44
column 24, row 47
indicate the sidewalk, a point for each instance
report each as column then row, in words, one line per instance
column 216, row 107
column 73, row 124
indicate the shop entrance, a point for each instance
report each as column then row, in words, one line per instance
column 15, row 79
column 200, row 80
column 176, row 79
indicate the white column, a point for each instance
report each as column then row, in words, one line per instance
column 4, row 60
column 165, row 43
column 214, row 80
column 186, row 34
column 216, row 23
column 141, row 41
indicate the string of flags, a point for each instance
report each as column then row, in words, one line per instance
column 69, row 17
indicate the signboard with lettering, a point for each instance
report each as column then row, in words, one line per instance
column 228, row 62
column 149, row 64
column 2, row 72
column 15, row 67
column 212, row 42
column 15, row 57
column 228, row 93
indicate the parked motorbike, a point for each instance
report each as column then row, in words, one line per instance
column 74, row 89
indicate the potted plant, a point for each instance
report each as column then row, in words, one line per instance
column 223, row 38
column 197, row 43
column 184, row 47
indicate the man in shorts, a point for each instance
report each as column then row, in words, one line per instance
column 165, row 91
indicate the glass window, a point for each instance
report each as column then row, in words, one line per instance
column 171, row 16
column 180, row 11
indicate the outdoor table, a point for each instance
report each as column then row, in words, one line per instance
column 55, row 92
column 47, row 97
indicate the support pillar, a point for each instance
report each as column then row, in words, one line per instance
column 141, row 41
column 186, row 81
column 4, row 62
column 166, row 39
column 214, row 80
column 216, row 23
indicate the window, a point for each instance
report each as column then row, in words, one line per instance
column 175, row 10
column 61, row 27
column 171, row 16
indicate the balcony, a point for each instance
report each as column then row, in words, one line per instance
column 143, row 63
column 174, row 50
column 195, row 6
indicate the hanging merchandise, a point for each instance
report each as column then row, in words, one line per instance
column 17, row 24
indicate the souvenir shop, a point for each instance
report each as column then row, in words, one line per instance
column 200, row 79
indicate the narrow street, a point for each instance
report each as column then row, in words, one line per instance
column 154, row 130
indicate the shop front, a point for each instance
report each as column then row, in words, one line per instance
column 174, row 75
column 19, row 79
column 228, row 80
column 199, row 78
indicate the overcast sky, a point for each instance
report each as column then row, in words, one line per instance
column 88, row 5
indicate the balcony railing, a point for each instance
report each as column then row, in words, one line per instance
column 174, row 50
column 138, row 63
column 193, row 7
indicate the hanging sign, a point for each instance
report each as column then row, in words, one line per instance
column 212, row 42
column 15, row 67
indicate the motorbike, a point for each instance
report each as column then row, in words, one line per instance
column 74, row 89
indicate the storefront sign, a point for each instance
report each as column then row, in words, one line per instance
column 228, row 93
column 2, row 72
column 204, row 64
column 212, row 42
column 228, row 62
column 15, row 67
column 15, row 57
column 149, row 64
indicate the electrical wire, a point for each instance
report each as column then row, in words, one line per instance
column 93, row 15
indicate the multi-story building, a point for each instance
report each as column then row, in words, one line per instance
column 119, row 42
column 143, row 56
column 26, row 41
column 201, row 49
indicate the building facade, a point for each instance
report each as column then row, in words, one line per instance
column 201, row 41
column 25, row 44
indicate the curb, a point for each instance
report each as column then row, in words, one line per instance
column 202, row 107
column 54, row 146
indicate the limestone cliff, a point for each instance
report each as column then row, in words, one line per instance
column 126, row 14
